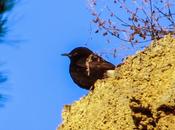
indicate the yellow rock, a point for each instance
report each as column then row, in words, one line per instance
column 140, row 96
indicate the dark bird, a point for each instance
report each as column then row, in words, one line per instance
column 87, row 67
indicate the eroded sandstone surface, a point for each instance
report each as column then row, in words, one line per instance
column 141, row 95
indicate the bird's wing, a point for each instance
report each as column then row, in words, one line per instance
column 95, row 61
column 99, row 63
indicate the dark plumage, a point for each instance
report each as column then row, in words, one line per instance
column 86, row 67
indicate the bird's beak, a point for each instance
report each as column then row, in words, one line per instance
column 66, row 54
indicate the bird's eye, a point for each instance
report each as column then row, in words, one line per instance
column 75, row 54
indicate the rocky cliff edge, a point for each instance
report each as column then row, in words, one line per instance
column 139, row 96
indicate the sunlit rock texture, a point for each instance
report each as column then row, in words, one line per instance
column 139, row 96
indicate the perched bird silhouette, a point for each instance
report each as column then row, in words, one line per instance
column 87, row 67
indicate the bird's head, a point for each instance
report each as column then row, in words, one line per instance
column 77, row 53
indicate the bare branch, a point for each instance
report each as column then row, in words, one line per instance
column 143, row 21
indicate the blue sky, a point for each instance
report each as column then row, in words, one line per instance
column 39, row 84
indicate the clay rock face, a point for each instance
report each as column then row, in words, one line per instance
column 140, row 96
